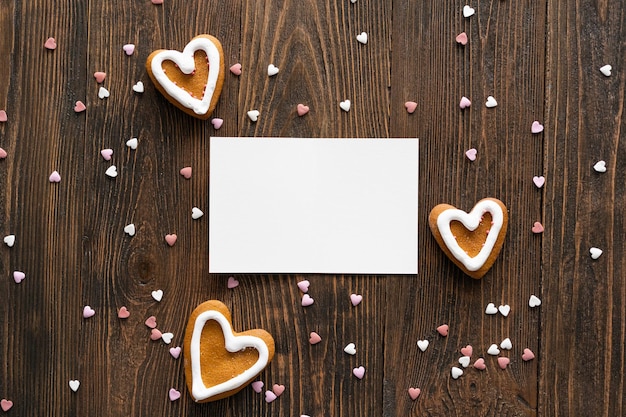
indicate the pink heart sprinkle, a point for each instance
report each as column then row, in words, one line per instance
column 278, row 389
column 3, row 116
column 304, row 285
column 359, row 372
column 537, row 228
column 528, row 355
column 51, row 44
column 314, row 338
column 465, row 102
column 175, row 352
column 106, row 154
column 88, row 312
column 79, row 107
column 3, row 153
column 307, row 300
column 461, row 38
column 18, row 276
column 503, row 362
column 157, row 1
column 232, row 283
column 186, row 172
column 129, row 49
column 471, row 154
column 236, row 69
column 410, row 106
column 217, row 122
column 269, row 396
column 99, row 76
column 6, row 405
column 151, row 322
column 356, row 299
column 174, row 394
column 480, row 364
column 536, row 127
column 54, row 177
column 443, row 330
column 539, row 181
column 123, row 313
column 467, row 350
column 302, row 109
column 414, row 393
column 155, row 334
column 171, row 239
column 257, row 386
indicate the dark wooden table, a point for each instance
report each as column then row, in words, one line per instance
column 539, row 59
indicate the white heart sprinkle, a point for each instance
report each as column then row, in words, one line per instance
column 138, row 88
column 456, row 372
column 600, row 166
column 491, row 102
column 157, row 295
column 468, row 11
column 504, row 310
column 506, row 344
column 111, row 171
column 464, row 361
column 534, row 301
column 132, row 143
column 362, row 38
column 595, row 253
column 167, row 337
column 345, row 105
column 253, row 115
column 196, row 213
column 9, row 240
column 130, row 229
column 74, row 384
column 606, row 70
column 350, row 349
column 423, row 345
column 103, row 93
column 491, row 309
column 352, row 1
column 493, row 350
column 272, row 70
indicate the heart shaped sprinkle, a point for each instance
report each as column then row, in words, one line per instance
column 480, row 364
column 50, row 44
column 464, row 361
column 88, row 312
column 465, row 102
column 151, row 323
column 600, row 166
column 443, row 330
column 362, row 38
column 111, row 171
column 471, row 154
column 232, row 283
column 278, row 389
column 186, row 172
column 503, row 362
column 254, row 115
column 534, row 301
column 156, row 2
column 171, row 239
column 103, row 93
column 467, row 350
column 3, row 116
column 345, row 105
column 257, row 386
column 3, row 153
column 129, row 229
column 539, row 181
column 506, row 344
column 504, row 310
column 129, row 49
column 359, row 372
column 236, row 69
column 79, row 107
column 18, row 276
column 314, row 338
column 456, row 372
column 175, row 352
column 155, row 334
column 356, row 299
column 423, row 345
column 537, row 228
column 414, row 393
column 491, row 102
column 9, row 240
column 132, row 143
column 196, row 213
column 410, row 106
column 99, row 76
column 6, row 405
column 606, row 70
column 595, row 253
column 493, row 350
column 269, row 396
column 106, row 154
column 350, row 349
column 217, row 122
column 304, row 285
column 272, row 70
column 468, row 11
column 54, row 177
column 167, row 337
column 461, row 38
column 536, row 127
column 138, row 88
column 302, row 109
column 528, row 355
column 157, row 295
column 174, row 394
column 123, row 313
column 74, row 384
column 307, row 300
column 491, row 309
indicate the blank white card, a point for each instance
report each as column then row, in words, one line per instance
column 287, row 205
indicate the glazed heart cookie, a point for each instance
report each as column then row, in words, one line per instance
column 472, row 240
column 218, row 361
column 192, row 79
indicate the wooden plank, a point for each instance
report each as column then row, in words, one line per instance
column 503, row 58
column 583, row 314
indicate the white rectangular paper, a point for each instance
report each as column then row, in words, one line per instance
column 287, row 205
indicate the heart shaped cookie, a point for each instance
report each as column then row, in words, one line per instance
column 218, row 361
column 472, row 240
column 192, row 79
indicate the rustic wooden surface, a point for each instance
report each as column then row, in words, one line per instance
column 539, row 59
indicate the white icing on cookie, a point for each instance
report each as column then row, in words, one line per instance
column 233, row 344
column 186, row 63
column 471, row 221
